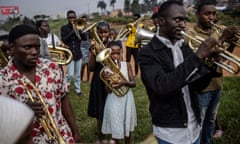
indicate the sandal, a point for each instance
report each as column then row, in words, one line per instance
column 218, row 134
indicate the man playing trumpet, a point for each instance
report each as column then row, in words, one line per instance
column 209, row 98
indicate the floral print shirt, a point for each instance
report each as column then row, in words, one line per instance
column 50, row 83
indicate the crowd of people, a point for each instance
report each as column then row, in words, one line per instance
column 182, row 82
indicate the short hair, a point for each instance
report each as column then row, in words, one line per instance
column 154, row 15
column 113, row 43
column 137, row 15
column 162, row 11
column 201, row 3
column 114, row 30
column 70, row 11
column 39, row 23
column 102, row 24
column 84, row 16
column 21, row 30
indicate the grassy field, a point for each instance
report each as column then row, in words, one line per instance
column 229, row 113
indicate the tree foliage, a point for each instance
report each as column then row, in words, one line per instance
column 112, row 3
column 102, row 5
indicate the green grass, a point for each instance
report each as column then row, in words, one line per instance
column 229, row 113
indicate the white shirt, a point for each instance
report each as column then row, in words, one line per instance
column 179, row 135
column 57, row 41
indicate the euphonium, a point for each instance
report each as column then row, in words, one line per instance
column 226, row 55
column 79, row 24
column 46, row 120
column 95, row 38
column 220, row 29
column 104, row 58
column 60, row 55
column 3, row 59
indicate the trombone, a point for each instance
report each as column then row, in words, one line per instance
column 46, row 120
column 236, row 35
column 224, row 54
column 79, row 24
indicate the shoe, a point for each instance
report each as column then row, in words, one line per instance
column 218, row 134
column 79, row 94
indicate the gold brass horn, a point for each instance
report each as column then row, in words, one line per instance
column 95, row 38
column 3, row 58
column 60, row 55
column 79, row 24
column 236, row 35
column 224, row 54
column 46, row 120
column 125, row 31
column 104, row 58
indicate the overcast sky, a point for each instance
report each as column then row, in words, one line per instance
column 30, row 8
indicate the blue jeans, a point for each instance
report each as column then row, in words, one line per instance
column 208, row 104
column 164, row 142
column 74, row 70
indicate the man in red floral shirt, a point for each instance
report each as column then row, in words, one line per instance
column 46, row 76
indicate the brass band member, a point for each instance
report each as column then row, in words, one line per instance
column 26, row 67
column 98, row 92
column 5, row 52
column 131, row 47
column 72, row 37
column 172, row 74
column 209, row 98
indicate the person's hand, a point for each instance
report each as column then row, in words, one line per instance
column 77, row 138
column 207, row 48
column 37, row 108
column 228, row 34
column 118, row 84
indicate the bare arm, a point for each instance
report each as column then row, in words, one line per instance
column 69, row 116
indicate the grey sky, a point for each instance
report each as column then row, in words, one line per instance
column 30, row 8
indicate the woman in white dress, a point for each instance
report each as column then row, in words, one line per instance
column 120, row 118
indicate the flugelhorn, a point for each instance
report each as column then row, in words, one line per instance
column 46, row 120
column 236, row 35
column 104, row 57
column 226, row 55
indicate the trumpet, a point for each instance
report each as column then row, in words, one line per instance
column 224, row 54
column 125, row 31
column 79, row 24
column 60, row 55
column 236, row 35
column 104, row 58
column 46, row 120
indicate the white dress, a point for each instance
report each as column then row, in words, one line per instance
column 120, row 116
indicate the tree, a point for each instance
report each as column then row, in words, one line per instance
column 112, row 3
column 126, row 6
column 148, row 5
column 102, row 5
column 135, row 7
